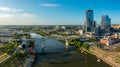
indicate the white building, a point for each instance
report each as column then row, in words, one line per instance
column 63, row 27
column 56, row 27
column 81, row 32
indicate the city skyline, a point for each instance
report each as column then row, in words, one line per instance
column 53, row 12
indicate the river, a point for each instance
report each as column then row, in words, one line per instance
column 56, row 55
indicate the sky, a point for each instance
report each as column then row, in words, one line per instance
column 56, row 12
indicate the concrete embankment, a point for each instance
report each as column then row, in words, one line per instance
column 108, row 57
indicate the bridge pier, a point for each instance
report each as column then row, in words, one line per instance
column 43, row 46
column 66, row 42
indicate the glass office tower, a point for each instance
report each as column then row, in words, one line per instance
column 89, row 20
column 106, row 23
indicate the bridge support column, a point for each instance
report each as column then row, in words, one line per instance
column 67, row 44
column 43, row 46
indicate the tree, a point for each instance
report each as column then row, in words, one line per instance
column 19, row 54
column 78, row 44
column 72, row 42
column 92, row 39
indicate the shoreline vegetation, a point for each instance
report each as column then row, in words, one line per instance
column 40, row 32
column 81, row 46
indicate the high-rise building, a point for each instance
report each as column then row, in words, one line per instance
column 98, row 32
column 94, row 24
column 106, row 23
column 89, row 20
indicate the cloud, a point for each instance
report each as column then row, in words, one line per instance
column 5, row 16
column 50, row 5
column 7, row 9
column 19, row 19
column 28, row 15
column 17, row 16
column 22, row 22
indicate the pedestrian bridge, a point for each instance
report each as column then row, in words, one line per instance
column 59, row 37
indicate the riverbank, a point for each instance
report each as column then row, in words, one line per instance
column 111, row 58
column 83, row 49
column 40, row 32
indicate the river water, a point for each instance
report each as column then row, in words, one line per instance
column 56, row 55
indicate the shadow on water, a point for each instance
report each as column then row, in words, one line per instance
column 43, row 57
column 65, row 59
column 61, row 54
